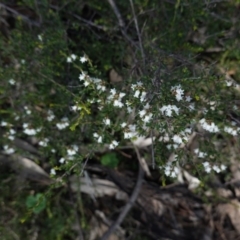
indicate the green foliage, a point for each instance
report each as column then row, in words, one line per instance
column 36, row 203
column 110, row 160
column 41, row 88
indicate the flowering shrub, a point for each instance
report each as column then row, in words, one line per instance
column 173, row 111
column 56, row 96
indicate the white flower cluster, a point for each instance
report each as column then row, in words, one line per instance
column 73, row 57
column 71, row 152
column 11, row 134
column 8, row 150
column 98, row 137
column 44, row 142
column 178, row 92
column 177, row 139
column 168, row 110
column 28, row 111
column 130, row 131
column 139, row 91
column 50, row 115
column 29, row 130
column 113, row 144
column 116, row 98
column 4, row 124
column 75, row 108
column 170, row 171
column 98, row 83
column 199, row 153
column 208, row 168
column 63, row 124
column 209, row 127
column 231, row 130
column 145, row 114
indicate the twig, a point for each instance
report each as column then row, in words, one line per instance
column 128, row 206
column 121, row 22
column 82, row 19
column 117, row 13
column 152, row 151
column 138, row 32
column 21, row 15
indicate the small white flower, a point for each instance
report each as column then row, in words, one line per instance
column 113, row 144
column 118, row 103
column 62, row 160
column 28, row 111
column 73, row 150
column 99, row 139
column 223, row 167
column 188, row 99
column 147, row 118
column 73, row 57
column 107, row 121
column 127, row 135
column 136, row 94
column 69, row 59
column 53, row 150
column 169, row 109
column 23, row 61
column 75, row 108
column 103, row 88
column 229, row 83
column 63, row 124
column 113, row 91
column 82, row 76
column 95, row 135
column 188, row 130
column 8, row 150
column 191, row 107
column 143, row 96
column 207, row 167
column 86, row 83
column 164, row 138
column 11, row 137
column 123, row 125
column 133, row 86
column 199, row 153
column 83, row 59
column 12, row 81
column 40, row 37
column 3, row 123
column 202, row 155
column 121, row 95
column 44, row 142
column 139, row 84
column 177, row 139
column 53, row 171
column 142, row 112
column 50, row 116
column 16, row 118
column 30, row 131
column 216, row 168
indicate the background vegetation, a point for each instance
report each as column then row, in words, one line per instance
column 56, row 126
